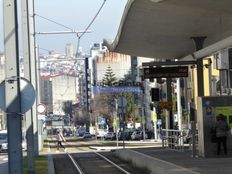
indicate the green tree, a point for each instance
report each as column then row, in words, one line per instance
column 104, row 103
column 109, row 77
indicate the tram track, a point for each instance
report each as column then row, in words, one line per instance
column 91, row 162
column 101, row 164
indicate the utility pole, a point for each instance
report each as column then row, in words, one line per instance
column 29, row 60
column 12, row 87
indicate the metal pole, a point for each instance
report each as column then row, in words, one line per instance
column 12, row 87
column 116, row 121
column 210, row 77
column 200, row 77
column 193, row 128
column 169, row 99
column 35, row 78
column 27, row 75
column 123, row 128
column 143, row 122
column 194, row 151
column 155, row 124
column 179, row 107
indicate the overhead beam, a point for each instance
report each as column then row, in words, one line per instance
column 204, row 52
column 150, row 64
column 64, row 32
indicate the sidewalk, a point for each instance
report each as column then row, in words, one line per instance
column 165, row 161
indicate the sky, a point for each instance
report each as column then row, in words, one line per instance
column 75, row 14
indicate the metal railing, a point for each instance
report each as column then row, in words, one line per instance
column 176, row 139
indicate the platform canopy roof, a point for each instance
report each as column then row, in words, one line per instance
column 163, row 28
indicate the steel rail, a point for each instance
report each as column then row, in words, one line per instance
column 75, row 164
column 111, row 162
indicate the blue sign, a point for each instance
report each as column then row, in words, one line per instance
column 118, row 89
column 101, row 120
column 159, row 122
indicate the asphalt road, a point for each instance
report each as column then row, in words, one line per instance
column 3, row 163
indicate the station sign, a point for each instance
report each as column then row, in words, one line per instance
column 166, row 72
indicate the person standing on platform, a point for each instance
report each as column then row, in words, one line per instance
column 221, row 128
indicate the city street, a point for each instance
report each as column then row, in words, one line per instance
column 3, row 163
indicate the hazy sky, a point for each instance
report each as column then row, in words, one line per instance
column 76, row 14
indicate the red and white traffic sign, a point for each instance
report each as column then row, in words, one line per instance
column 41, row 108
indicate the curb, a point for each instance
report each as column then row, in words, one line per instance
column 154, row 165
column 51, row 169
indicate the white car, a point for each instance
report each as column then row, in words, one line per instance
column 4, row 142
column 86, row 135
column 101, row 133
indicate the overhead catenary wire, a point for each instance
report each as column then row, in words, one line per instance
column 91, row 22
column 69, row 28
column 78, row 36
column 93, row 19
column 62, row 25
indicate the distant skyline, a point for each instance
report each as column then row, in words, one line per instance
column 76, row 15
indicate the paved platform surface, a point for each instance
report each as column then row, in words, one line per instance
column 199, row 165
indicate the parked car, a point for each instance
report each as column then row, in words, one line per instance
column 86, row 135
column 81, row 131
column 110, row 136
column 124, row 136
column 4, row 141
column 101, row 133
column 138, row 135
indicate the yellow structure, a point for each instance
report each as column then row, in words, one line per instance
column 210, row 73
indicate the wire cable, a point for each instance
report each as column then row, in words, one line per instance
column 54, row 22
column 93, row 19
column 86, row 29
column 78, row 36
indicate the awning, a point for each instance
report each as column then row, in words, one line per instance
column 163, row 28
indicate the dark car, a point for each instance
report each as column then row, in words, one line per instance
column 87, row 135
column 110, row 136
column 124, row 136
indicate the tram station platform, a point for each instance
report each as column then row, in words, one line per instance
column 162, row 160
column 166, row 161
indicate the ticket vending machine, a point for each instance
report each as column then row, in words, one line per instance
column 207, row 110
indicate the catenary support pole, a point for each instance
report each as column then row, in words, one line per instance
column 12, row 87
column 199, row 42
column 35, row 78
column 27, row 74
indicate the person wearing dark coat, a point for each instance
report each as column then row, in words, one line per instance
column 221, row 128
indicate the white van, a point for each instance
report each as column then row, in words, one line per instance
column 4, row 143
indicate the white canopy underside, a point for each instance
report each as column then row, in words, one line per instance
column 164, row 29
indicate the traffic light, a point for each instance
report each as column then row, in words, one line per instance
column 155, row 96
